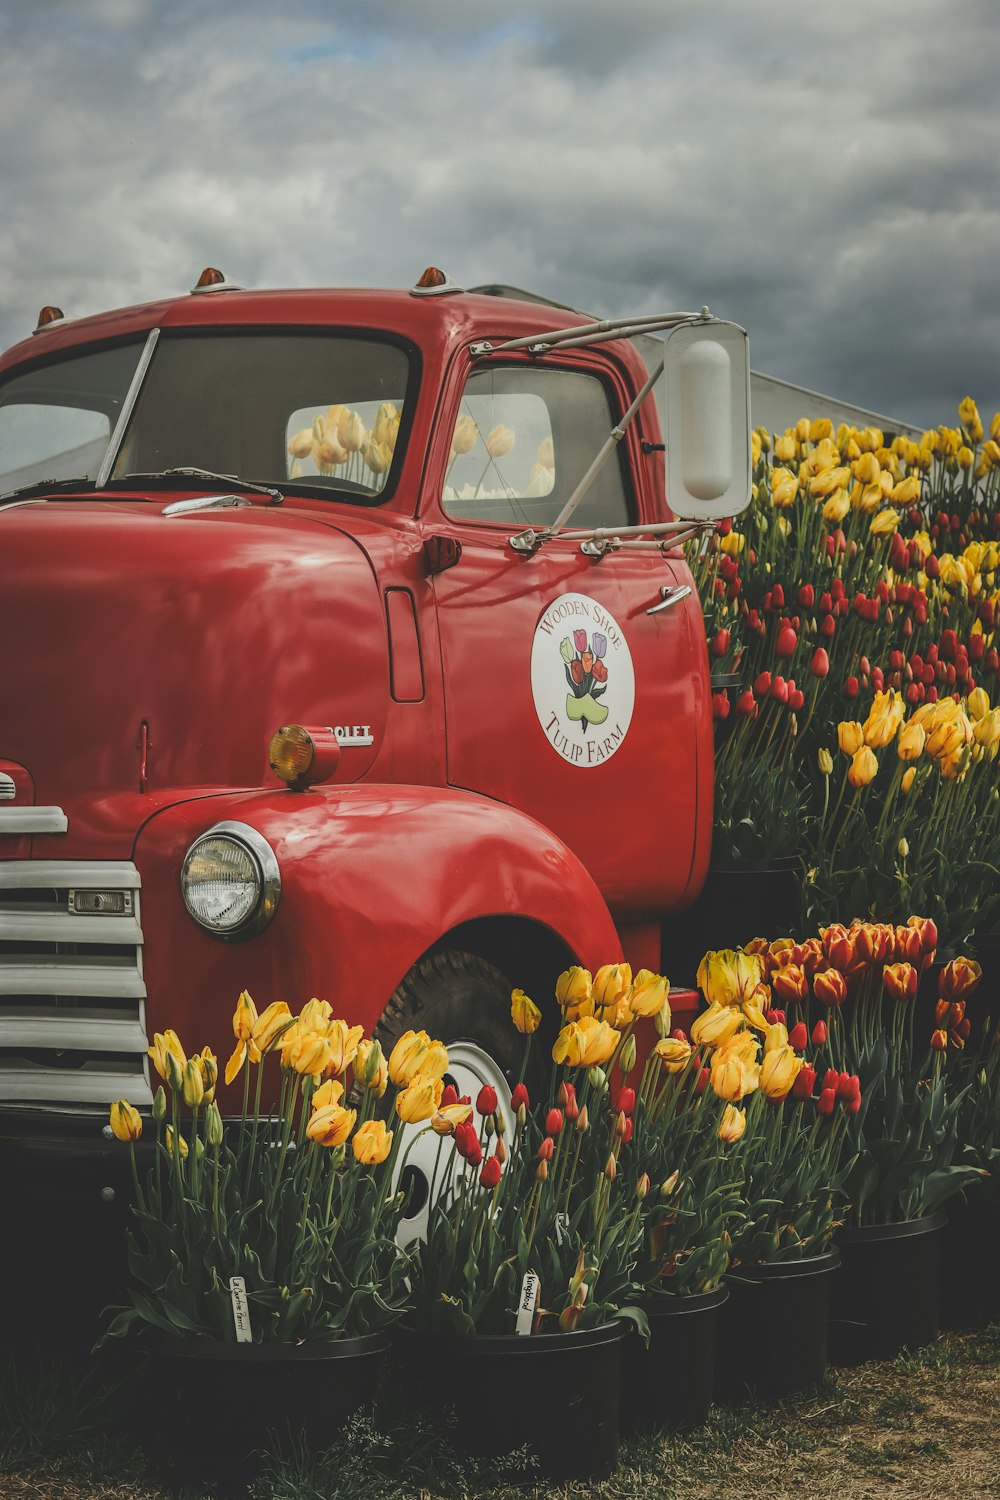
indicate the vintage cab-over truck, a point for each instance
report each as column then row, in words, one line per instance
column 424, row 536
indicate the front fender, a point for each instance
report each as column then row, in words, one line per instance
column 372, row 876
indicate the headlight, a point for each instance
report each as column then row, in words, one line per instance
column 230, row 881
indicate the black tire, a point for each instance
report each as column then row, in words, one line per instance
column 460, row 997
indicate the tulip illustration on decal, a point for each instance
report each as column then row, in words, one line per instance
column 587, row 677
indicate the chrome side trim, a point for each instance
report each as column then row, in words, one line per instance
column 82, row 875
column 205, row 502
column 125, row 415
column 32, row 820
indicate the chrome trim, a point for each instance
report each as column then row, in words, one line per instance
column 72, row 992
column 82, row 875
column 52, row 926
column 125, row 415
column 270, row 877
column 18, row 820
column 205, row 502
column 8, row 789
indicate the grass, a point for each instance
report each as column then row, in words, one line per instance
column 922, row 1425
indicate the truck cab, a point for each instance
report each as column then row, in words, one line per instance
column 314, row 533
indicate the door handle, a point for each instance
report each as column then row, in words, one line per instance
column 669, row 596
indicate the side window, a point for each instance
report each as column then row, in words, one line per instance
column 523, row 439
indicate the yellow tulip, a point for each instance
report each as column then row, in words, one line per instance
column 987, row 730
column 126, row 1122
column 450, row 1115
column 778, row 1072
column 208, row 1064
column 244, row 1017
column 181, row 1143
column 885, row 522
column 884, row 718
column 270, row 1025
column 611, row 982
column 824, row 760
column 820, row 430
column 166, row 1044
column 906, row 492
column 524, row 1013
column 649, row 994
column 775, row 1037
column 784, row 488
column 728, row 976
column 463, row 438
column 715, row 1025
column 586, row 1043
column 674, row 1052
column 386, row 420
column 312, row 1055
column 786, row 447
column 966, row 457
column 755, row 1017
column 733, row 1124
column 836, row 508
column 732, row 544
column 826, row 483
column 351, row 431
column 420, row 1099
column 968, row 415
column 331, row 1125
column 850, row 736
column 978, row 704
column 575, row 993
column 906, row 785
column 416, row 1054
column 330, row 1092
column 372, row 1143
column 863, row 768
column 343, row 1042
column 371, row 1067
column 733, row 1075
column 910, row 745
column 193, row 1084
column 377, row 456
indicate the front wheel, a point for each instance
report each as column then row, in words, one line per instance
column 463, row 1001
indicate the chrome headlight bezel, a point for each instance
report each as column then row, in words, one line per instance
column 264, row 865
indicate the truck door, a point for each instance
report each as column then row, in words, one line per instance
column 564, row 697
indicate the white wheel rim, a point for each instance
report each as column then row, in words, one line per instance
column 470, row 1068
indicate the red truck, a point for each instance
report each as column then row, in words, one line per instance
column 347, row 650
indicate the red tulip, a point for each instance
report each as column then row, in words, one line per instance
column 553, row 1122
column 762, row 684
column 486, row 1100
column 720, row 643
column 626, row 1101
column 519, row 1096
column 546, row 1149
column 804, row 1084
column 826, row 1101
column 786, row 642
column 492, row 1171
column 820, row 1034
column 806, row 596
column 820, row 664
column 449, row 1095
column 798, row 1036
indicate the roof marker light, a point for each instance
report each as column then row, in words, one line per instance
column 434, row 283
column 49, row 314
column 212, row 280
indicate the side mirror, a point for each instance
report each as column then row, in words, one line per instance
column 707, row 420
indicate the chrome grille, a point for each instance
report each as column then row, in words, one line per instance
column 72, row 995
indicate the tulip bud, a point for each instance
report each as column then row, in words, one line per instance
column 903, row 849
column 598, row 1079
column 626, row 1101
column 546, row 1149
column 642, row 1186
column 174, row 1072
column 500, row 1121
column 193, row 1084
column 213, row 1124
column 501, row 1150
column 825, row 760
column 611, row 1169
column 669, row 1184
column 489, row 1125
column 627, row 1056
column 620, row 1122
column 820, row 1034
column 160, row 1105
column 541, row 1171
column 584, row 1120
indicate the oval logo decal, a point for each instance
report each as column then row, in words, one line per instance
column 582, row 680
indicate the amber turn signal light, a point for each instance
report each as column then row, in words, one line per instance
column 209, row 277
column 301, row 756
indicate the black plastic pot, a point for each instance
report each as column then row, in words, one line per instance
column 670, row 1383
column 781, row 1313
column 555, row 1393
column 737, row 903
column 212, row 1404
column 970, row 1286
column 885, row 1295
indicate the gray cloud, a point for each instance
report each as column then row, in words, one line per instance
column 823, row 174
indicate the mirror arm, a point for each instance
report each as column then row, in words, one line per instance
column 530, row 540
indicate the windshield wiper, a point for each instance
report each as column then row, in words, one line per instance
column 185, row 472
column 47, row 487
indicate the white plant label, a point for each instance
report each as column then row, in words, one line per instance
column 528, row 1302
column 241, row 1310
column 582, row 680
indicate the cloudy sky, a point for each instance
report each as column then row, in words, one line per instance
column 825, row 174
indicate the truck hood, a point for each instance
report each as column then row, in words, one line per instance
column 195, row 634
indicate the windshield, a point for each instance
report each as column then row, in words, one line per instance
column 294, row 409
column 56, row 420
